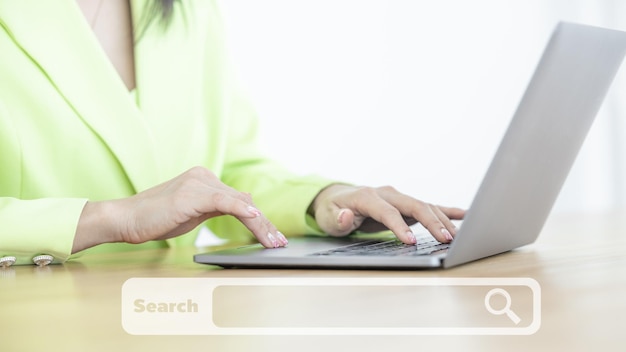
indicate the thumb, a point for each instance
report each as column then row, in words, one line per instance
column 345, row 220
column 337, row 221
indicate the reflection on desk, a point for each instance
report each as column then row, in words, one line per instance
column 579, row 262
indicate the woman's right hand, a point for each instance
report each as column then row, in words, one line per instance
column 169, row 210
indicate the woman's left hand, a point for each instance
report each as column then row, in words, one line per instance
column 341, row 209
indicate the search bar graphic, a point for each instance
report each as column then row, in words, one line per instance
column 331, row 306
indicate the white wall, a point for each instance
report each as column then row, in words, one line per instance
column 413, row 93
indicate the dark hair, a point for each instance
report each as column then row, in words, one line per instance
column 160, row 10
column 165, row 7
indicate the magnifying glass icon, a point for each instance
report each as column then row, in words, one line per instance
column 507, row 306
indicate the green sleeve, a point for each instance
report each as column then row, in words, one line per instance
column 42, row 226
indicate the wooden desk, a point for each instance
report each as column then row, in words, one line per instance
column 579, row 261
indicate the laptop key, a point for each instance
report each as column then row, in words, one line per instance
column 386, row 248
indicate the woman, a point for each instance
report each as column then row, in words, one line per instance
column 121, row 124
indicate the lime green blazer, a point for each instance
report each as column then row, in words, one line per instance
column 71, row 132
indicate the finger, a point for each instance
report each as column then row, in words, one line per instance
column 201, row 178
column 453, row 213
column 220, row 199
column 373, row 206
column 265, row 232
column 220, row 202
column 255, row 221
column 420, row 211
column 426, row 215
column 346, row 221
column 336, row 221
column 444, row 220
column 434, row 219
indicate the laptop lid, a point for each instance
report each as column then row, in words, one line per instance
column 541, row 143
column 526, row 173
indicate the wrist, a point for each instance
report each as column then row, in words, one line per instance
column 95, row 226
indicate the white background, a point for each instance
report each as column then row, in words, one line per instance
column 416, row 94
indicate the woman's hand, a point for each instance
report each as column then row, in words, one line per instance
column 171, row 209
column 341, row 209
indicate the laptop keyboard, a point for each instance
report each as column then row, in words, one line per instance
column 386, row 248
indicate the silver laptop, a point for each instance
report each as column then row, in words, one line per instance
column 520, row 186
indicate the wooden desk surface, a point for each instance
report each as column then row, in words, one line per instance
column 579, row 261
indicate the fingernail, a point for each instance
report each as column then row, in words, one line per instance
column 411, row 237
column 446, row 234
column 282, row 238
column 254, row 211
column 340, row 217
column 272, row 239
